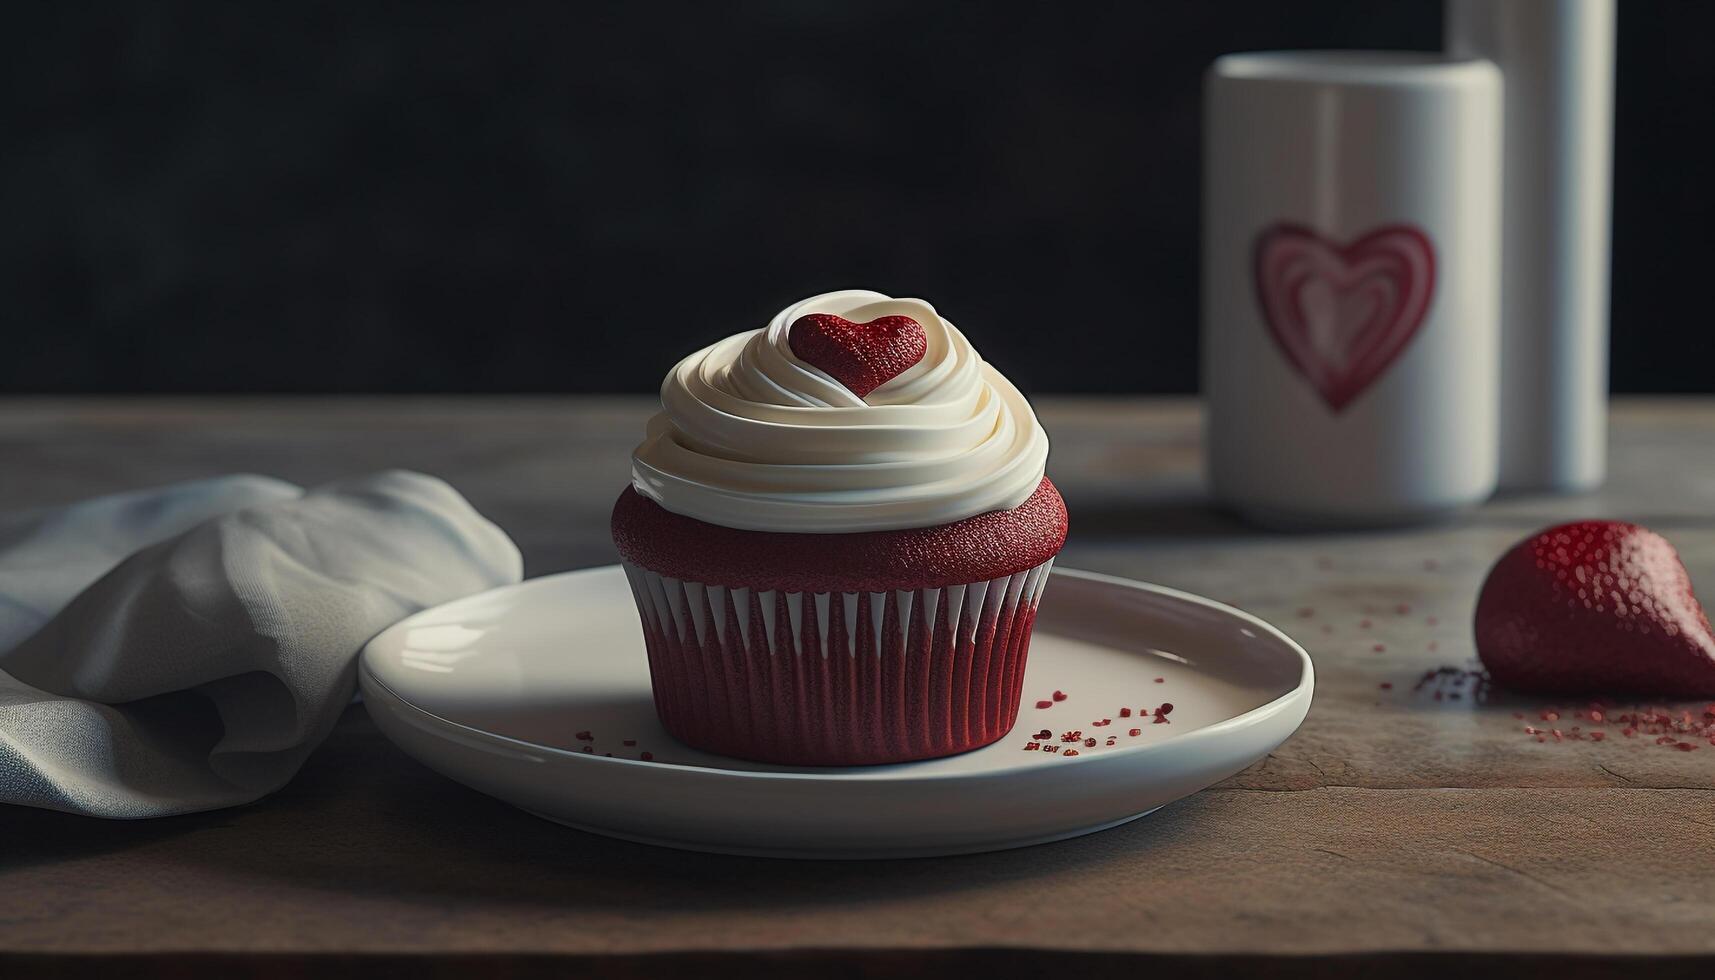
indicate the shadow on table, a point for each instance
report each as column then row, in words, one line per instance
column 363, row 818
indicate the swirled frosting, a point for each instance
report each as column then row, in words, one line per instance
column 751, row 437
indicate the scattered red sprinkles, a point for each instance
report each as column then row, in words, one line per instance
column 1059, row 695
column 1042, row 741
column 1678, row 729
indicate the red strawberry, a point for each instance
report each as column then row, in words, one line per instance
column 861, row 356
column 1595, row 607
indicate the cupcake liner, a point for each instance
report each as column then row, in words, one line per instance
column 845, row 678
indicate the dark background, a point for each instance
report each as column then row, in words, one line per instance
column 225, row 197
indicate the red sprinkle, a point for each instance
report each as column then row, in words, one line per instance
column 1112, row 740
column 647, row 757
column 1043, row 735
column 1403, row 609
column 1059, row 695
column 1089, row 743
column 1051, row 748
column 1070, row 753
column 589, row 749
column 1045, row 704
column 1378, row 648
column 1161, row 680
column 1125, row 712
column 1135, row 731
column 1032, row 746
column 585, row 737
column 1306, row 612
column 1386, row 685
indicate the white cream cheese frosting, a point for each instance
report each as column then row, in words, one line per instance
column 751, row 437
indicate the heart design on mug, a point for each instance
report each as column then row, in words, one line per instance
column 1342, row 314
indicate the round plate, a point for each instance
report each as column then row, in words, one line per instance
column 538, row 694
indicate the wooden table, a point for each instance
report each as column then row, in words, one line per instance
column 1395, row 830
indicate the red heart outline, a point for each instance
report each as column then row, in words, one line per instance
column 1371, row 298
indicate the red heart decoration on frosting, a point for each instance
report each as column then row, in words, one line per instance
column 1343, row 313
column 861, row 356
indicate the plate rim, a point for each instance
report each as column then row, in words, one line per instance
column 1303, row 691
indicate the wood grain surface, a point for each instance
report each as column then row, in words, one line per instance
column 1394, row 833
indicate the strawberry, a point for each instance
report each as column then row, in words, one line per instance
column 861, row 356
column 1595, row 607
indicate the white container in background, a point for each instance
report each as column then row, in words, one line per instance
column 1558, row 60
column 1351, row 236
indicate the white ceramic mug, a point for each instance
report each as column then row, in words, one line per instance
column 1351, row 236
column 1558, row 58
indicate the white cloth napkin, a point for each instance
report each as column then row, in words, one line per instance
column 185, row 648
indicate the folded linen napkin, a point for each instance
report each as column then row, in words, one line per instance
column 185, row 648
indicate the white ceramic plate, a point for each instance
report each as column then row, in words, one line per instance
column 539, row 694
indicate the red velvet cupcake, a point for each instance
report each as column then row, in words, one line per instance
column 838, row 532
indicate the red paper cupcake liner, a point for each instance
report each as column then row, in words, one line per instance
column 837, row 679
